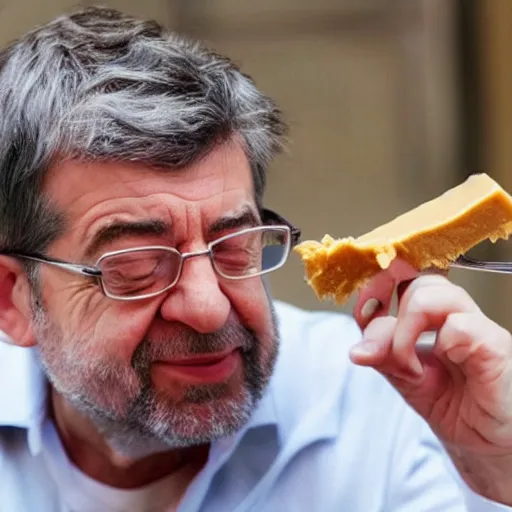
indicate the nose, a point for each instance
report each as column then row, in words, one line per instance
column 197, row 300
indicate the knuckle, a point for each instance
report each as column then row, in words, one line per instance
column 462, row 293
column 502, row 337
column 426, row 282
column 439, row 295
column 458, row 323
column 431, row 279
column 419, row 300
column 478, row 327
column 461, row 297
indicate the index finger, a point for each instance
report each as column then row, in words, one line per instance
column 426, row 305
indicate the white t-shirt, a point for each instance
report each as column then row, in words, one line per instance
column 80, row 493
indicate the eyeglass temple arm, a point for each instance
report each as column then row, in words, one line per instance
column 72, row 267
column 271, row 217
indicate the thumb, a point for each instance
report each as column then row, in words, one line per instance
column 375, row 346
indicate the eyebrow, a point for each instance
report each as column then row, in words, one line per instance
column 117, row 230
column 244, row 218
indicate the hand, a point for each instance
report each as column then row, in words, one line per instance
column 462, row 387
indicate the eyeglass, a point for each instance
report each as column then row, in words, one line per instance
column 144, row 272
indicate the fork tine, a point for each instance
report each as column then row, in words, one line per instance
column 465, row 262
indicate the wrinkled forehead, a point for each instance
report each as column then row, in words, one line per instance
column 100, row 192
column 71, row 183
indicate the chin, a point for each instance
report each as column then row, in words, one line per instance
column 202, row 419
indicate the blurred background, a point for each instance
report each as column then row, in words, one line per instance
column 390, row 103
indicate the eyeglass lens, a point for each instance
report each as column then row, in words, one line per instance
column 148, row 271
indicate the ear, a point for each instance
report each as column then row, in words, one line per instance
column 15, row 314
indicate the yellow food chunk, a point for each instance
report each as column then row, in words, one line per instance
column 433, row 234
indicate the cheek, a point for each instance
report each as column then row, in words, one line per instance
column 95, row 364
column 251, row 302
column 104, row 326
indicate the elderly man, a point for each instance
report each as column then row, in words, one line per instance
column 146, row 368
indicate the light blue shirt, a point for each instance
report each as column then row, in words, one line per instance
column 327, row 436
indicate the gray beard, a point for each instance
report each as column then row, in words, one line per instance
column 150, row 423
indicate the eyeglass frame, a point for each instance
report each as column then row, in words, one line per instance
column 270, row 218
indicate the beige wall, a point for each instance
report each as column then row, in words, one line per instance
column 495, row 46
column 370, row 91
column 368, row 87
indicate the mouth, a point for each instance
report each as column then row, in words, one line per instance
column 200, row 369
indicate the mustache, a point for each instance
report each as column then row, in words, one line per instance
column 186, row 342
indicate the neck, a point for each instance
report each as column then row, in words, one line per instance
column 100, row 460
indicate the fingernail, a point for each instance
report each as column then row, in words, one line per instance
column 369, row 308
column 365, row 348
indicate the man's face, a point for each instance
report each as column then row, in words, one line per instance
column 118, row 361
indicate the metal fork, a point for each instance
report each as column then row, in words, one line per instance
column 500, row 267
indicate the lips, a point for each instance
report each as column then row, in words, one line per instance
column 207, row 359
column 200, row 369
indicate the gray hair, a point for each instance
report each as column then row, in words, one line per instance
column 101, row 85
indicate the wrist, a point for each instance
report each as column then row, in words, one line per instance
column 487, row 475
